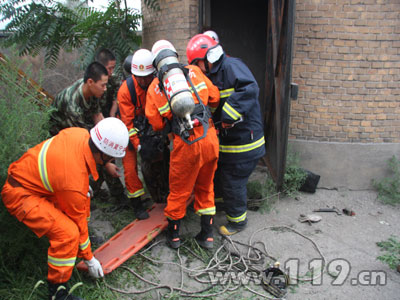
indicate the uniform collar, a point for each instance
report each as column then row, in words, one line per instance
column 90, row 162
column 217, row 65
column 85, row 103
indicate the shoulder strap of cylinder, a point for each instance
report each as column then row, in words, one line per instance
column 165, row 68
column 132, row 90
column 201, row 112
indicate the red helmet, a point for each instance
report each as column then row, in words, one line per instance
column 198, row 47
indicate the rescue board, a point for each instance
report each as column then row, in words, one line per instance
column 130, row 239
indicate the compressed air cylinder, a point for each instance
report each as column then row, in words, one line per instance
column 174, row 81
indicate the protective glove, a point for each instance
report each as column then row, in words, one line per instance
column 139, row 147
column 94, row 268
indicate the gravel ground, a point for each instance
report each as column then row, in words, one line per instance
column 341, row 251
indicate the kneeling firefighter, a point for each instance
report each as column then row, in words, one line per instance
column 179, row 98
column 48, row 190
column 152, row 147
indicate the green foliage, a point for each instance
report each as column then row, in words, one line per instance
column 392, row 252
column 23, row 117
column 23, row 124
column 52, row 26
column 255, row 190
column 294, row 175
column 261, row 194
column 389, row 188
column 264, row 193
column 112, row 29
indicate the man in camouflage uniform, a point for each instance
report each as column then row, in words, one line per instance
column 108, row 105
column 108, row 102
column 78, row 106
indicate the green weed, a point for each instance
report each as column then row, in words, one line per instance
column 23, row 117
column 23, row 124
column 263, row 194
column 389, row 187
column 392, row 252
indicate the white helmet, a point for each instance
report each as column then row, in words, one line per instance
column 212, row 34
column 160, row 46
column 142, row 63
column 110, row 136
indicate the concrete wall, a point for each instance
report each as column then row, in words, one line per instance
column 346, row 165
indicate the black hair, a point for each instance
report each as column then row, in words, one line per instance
column 104, row 55
column 93, row 147
column 95, row 71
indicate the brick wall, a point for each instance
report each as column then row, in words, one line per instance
column 177, row 22
column 346, row 61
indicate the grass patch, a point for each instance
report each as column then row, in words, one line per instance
column 23, row 124
column 262, row 194
column 391, row 247
column 389, row 187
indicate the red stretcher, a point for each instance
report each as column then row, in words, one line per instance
column 130, row 239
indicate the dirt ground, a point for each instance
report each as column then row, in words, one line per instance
column 347, row 245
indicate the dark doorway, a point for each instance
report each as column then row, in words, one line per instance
column 241, row 27
column 261, row 34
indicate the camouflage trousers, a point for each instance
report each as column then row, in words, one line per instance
column 155, row 175
column 113, row 183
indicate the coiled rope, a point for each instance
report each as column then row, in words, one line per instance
column 227, row 258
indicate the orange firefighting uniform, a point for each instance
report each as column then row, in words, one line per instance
column 128, row 113
column 47, row 190
column 191, row 166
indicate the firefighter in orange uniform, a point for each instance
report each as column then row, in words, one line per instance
column 192, row 164
column 48, row 190
column 131, row 102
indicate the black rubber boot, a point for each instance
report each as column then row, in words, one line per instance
column 205, row 238
column 60, row 291
column 173, row 239
column 138, row 208
column 120, row 202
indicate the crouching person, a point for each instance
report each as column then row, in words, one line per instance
column 48, row 190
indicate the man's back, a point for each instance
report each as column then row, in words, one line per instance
column 57, row 164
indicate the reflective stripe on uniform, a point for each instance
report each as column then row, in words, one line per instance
column 133, row 131
column 84, row 245
column 164, row 109
column 206, row 211
column 43, row 165
column 61, row 262
column 237, row 219
column 226, row 93
column 135, row 194
column 199, row 87
column 242, row 148
column 231, row 111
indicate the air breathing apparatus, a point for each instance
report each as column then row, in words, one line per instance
column 174, row 80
